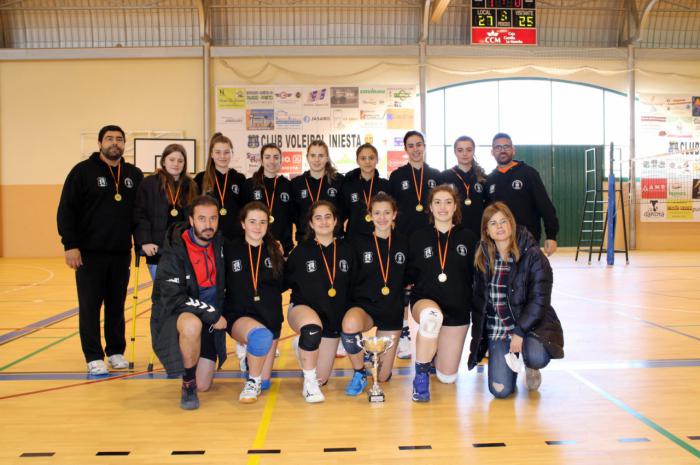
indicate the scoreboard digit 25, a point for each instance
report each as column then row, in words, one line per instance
column 504, row 22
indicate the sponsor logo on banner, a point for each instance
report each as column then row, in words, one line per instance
column 696, row 189
column 286, row 120
column 288, row 97
column 260, row 98
column 260, row 119
column 253, row 141
column 317, row 97
column 679, row 210
column 345, row 119
column 504, row 36
column 679, row 189
column 345, row 97
column 401, row 97
column 230, row 98
column 653, row 210
column 399, row 118
column 373, row 119
column 373, row 99
column 291, row 164
column 654, row 188
column 396, row 159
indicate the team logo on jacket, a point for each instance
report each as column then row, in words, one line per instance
column 431, row 183
column 236, row 266
column 268, row 263
column 404, row 185
column 427, row 252
column 492, row 188
column 400, row 258
column 343, row 265
column 128, row 183
column 234, row 188
column 462, row 250
column 332, row 192
column 311, row 266
column 257, row 195
column 303, row 193
column 354, row 198
column 284, row 197
column 101, row 181
column 517, row 184
column 478, row 188
column 367, row 257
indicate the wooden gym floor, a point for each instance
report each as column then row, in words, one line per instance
column 627, row 392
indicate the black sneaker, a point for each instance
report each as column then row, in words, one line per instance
column 189, row 399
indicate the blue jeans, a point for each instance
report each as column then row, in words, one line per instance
column 500, row 377
column 152, row 271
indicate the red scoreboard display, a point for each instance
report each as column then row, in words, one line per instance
column 504, row 22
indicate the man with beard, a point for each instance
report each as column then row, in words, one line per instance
column 188, row 298
column 95, row 224
column 520, row 187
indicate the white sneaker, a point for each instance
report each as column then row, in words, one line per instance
column 250, row 392
column 404, row 350
column 340, row 351
column 241, row 352
column 312, row 391
column 533, row 379
column 117, row 361
column 97, row 367
column 277, row 353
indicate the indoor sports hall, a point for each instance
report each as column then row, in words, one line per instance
column 601, row 97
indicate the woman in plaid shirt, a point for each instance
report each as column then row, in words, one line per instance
column 512, row 316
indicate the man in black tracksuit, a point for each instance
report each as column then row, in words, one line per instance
column 95, row 224
column 520, row 187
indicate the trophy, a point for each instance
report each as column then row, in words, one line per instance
column 375, row 346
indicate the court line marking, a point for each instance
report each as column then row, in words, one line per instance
column 655, row 426
column 34, row 284
column 261, row 434
column 36, row 326
column 622, row 304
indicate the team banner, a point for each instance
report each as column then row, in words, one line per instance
column 669, row 158
column 344, row 117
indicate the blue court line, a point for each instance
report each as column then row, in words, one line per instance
column 655, row 426
column 36, row 326
column 342, row 372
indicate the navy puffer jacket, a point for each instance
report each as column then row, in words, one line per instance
column 529, row 298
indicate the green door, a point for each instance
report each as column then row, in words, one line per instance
column 562, row 170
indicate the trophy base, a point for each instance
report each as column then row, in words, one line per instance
column 376, row 397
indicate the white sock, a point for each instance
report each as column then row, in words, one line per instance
column 257, row 379
column 310, row 374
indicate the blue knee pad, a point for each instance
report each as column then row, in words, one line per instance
column 349, row 341
column 259, row 342
column 310, row 337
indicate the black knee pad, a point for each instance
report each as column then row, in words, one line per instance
column 349, row 341
column 310, row 337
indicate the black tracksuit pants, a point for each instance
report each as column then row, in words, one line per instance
column 102, row 279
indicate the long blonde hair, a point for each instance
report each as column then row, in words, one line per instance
column 486, row 252
column 330, row 172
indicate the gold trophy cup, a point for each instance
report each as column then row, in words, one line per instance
column 375, row 346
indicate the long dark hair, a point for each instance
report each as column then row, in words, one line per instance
column 259, row 175
column 210, row 171
column 310, row 233
column 274, row 250
column 189, row 189
column 450, row 189
column 329, row 170
column 480, row 173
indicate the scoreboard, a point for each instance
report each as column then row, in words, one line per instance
column 504, row 22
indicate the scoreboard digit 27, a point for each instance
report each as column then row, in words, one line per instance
column 504, row 22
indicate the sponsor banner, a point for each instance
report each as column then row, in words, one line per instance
column 317, row 97
column 345, row 97
column 400, row 118
column 260, row 120
column 652, row 210
column 679, row 210
column 287, row 97
column 230, row 98
column 504, row 36
column 395, row 159
column 287, row 119
column 653, row 188
column 259, row 98
column 291, row 163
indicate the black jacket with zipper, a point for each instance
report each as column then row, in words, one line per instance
column 529, row 295
column 176, row 291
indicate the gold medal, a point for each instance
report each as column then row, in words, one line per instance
column 368, row 218
column 173, row 212
column 419, row 208
column 385, row 290
column 118, row 197
column 272, row 219
column 223, row 212
column 256, row 298
column 467, row 202
column 331, row 292
column 442, row 277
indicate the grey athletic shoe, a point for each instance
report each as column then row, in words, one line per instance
column 189, row 399
column 533, row 379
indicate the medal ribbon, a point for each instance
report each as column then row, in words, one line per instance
column 331, row 277
column 443, row 256
column 466, row 186
column 119, row 175
column 254, row 273
column 318, row 192
column 368, row 198
column 173, row 200
column 269, row 203
column 222, row 192
column 385, row 275
column 419, row 191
